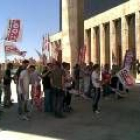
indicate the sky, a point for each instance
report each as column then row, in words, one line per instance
column 38, row 17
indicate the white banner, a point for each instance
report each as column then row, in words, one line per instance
column 12, row 49
column 126, row 78
column 129, row 59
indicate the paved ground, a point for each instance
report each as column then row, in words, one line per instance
column 118, row 120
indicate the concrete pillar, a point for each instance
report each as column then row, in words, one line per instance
column 65, row 34
column 73, row 29
column 93, row 46
column 113, row 50
column 137, row 38
column 88, row 45
column 102, row 45
column 124, row 36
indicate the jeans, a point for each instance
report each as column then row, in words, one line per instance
column 23, row 105
column 0, row 93
column 48, row 101
column 96, row 98
column 58, row 101
column 7, row 94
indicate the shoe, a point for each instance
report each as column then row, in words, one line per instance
column 24, row 118
column 57, row 115
column 97, row 111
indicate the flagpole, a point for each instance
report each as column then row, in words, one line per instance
column 49, row 44
column 5, row 56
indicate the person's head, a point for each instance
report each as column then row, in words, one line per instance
column 25, row 64
column 10, row 66
column 57, row 64
column 91, row 64
column 76, row 66
column 107, row 67
column 96, row 67
column 31, row 68
column 46, row 67
column 66, row 65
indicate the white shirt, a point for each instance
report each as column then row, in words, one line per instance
column 24, row 86
column 95, row 77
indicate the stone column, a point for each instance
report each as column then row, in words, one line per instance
column 113, row 50
column 102, row 45
column 93, row 46
column 137, row 39
column 88, row 46
column 73, row 29
column 65, row 31
column 124, row 36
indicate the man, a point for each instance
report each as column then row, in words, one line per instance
column 95, row 77
column 23, row 90
column 57, row 82
column 7, row 85
column 24, row 65
column 48, row 98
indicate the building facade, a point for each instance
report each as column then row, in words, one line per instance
column 107, row 35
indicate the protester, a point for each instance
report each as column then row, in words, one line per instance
column 57, row 81
column 106, row 79
column 0, row 90
column 76, row 72
column 95, row 77
column 81, row 77
column 0, row 84
column 36, row 93
column 48, row 94
column 87, row 79
column 68, row 83
column 24, row 81
column 7, row 85
column 24, row 65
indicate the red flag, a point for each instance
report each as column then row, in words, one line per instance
column 13, row 30
column 46, row 49
column 81, row 54
column 46, row 44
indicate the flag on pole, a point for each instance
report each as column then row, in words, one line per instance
column 14, row 30
column 23, row 53
column 81, row 54
column 39, row 54
column 114, row 59
column 46, row 49
column 12, row 49
column 129, row 59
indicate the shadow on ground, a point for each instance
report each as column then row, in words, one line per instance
column 118, row 120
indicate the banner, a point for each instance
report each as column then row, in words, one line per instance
column 114, row 59
column 12, row 49
column 55, row 51
column 46, row 49
column 126, row 78
column 81, row 54
column 128, row 60
column 23, row 53
column 13, row 30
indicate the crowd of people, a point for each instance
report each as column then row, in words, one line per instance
column 59, row 84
